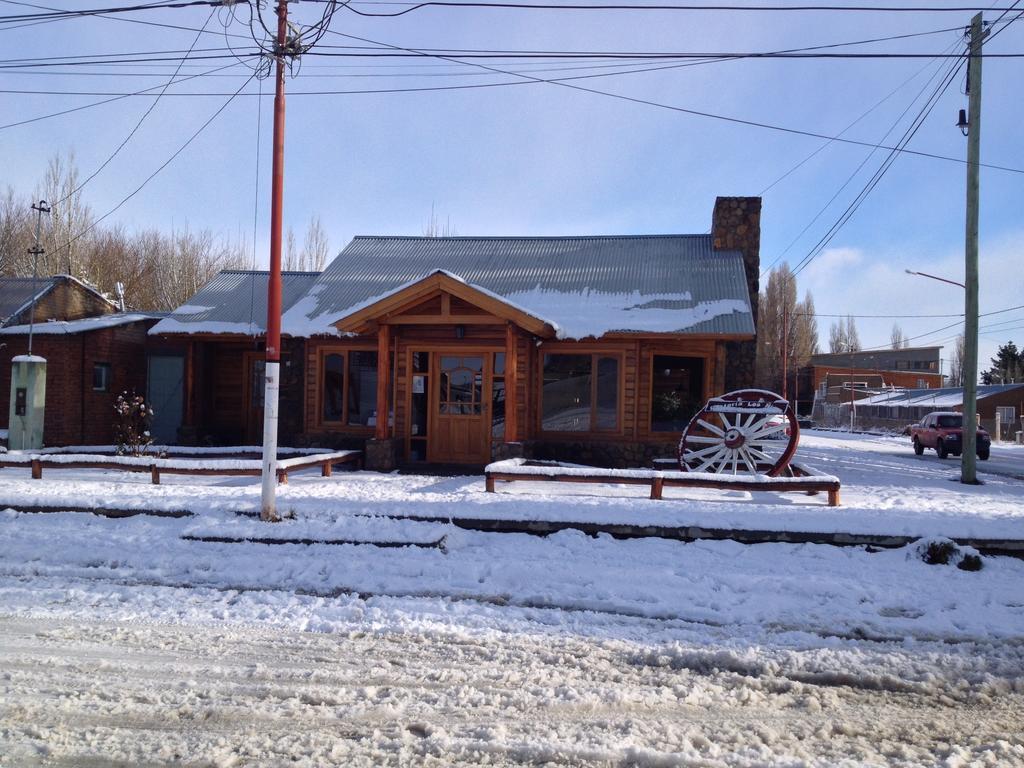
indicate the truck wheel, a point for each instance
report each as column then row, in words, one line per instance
column 983, row 454
column 941, row 449
column 918, row 448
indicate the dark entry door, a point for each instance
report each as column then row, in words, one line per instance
column 461, row 427
column 165, row 393
column 255, row 372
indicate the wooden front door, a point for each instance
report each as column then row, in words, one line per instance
column 255, row 367
column 461, row 428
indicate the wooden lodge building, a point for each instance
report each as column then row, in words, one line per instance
column 595, row 349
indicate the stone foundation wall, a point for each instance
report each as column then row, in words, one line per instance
column 381, row 455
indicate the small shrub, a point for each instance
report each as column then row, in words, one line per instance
column 948, row 552
column 131, row 426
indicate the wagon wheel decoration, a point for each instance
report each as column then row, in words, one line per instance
column 750, row 431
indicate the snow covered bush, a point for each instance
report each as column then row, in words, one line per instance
column 942, row 551
column 131, row 427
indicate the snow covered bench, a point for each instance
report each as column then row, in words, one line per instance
column 177, row 466
column 805, row 479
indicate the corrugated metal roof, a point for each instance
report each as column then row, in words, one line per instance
column 235, row 301
column 946, row 397
column 556, row 278
column 16, row 292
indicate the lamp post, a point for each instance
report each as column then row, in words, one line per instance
column 968, row 466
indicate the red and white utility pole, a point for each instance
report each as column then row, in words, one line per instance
column 268, row 504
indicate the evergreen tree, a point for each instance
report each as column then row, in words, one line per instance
column 1007, row 366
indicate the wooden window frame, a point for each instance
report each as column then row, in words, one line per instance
column 619, row 356
column 342, row 425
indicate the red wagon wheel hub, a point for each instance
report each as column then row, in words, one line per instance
column 750, row 431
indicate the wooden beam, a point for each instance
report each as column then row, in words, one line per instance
column 383, row 383
column 511, row 385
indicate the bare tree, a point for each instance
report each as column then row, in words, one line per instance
column 843, row 336
column 69, row 218
column 956, row 363
column 783, row 324
column 315, row 247
column 15, row 234
column 899, row 338
column 290, row 262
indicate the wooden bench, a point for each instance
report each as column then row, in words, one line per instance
column 178, row 466
column 804, row 479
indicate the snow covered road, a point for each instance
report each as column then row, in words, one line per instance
column 124, row 643
column 520, row 692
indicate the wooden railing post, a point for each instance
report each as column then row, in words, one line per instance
column 383, row 379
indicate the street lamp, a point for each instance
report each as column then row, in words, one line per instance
column 968, row 457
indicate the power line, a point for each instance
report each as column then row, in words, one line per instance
column 70, row 14
column 138, row 124
column 850, row 178
column 880, row 172
column 673, row 7
column 167, row 162
column 528, row 79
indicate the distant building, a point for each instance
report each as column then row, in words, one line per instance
column 837, row 377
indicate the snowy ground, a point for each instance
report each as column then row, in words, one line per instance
column 122, row 643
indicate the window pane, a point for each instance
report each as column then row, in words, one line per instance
column 421, row 362
column 566, row 393
column 333, row 387
column 101, row 377
column 607, row 393
column 362, row 387
column 499, row 363
column 677, row 392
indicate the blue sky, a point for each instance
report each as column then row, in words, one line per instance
column 539, row 159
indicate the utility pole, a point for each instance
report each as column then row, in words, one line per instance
column 968, row 465
column 268, row 501
column 40, row 208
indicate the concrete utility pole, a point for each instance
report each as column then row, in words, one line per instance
column 268, row 501
column 40, row 208
column 968, row 465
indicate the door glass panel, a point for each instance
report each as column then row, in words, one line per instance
column 677, row 392
column 461, row 386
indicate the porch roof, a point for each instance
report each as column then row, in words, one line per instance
column 582, row 286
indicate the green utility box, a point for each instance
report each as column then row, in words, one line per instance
column 28, row 400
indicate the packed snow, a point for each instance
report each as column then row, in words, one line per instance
column 131, row 641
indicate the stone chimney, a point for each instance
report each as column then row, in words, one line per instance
column 736, row 226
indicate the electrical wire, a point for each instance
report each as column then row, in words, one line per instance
column 857, row 170
column 672, row 7
column 138, row 124
column 528, row 79
column 72, row 14
column 167, row 162
column 142, row 92
column 880, row 172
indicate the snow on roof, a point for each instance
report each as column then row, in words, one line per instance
column 17, row 293
column 60, row 327
column 582, row 286
column 940, row 397
column 233, row 302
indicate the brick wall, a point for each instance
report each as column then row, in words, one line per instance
column 75, row 413
column 68, row 300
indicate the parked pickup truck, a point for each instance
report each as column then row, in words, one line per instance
column 943, row 431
